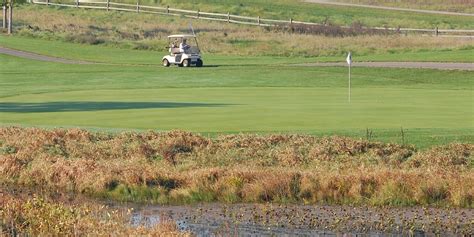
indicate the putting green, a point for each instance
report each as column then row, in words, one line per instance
column 243, row 109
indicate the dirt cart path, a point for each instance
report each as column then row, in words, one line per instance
column 428, row 65
column 388, row 8
column 39, row 57
column 425, row 65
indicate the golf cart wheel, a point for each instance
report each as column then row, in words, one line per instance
column 199, row 63
column 166, row 63
column 186, row 63
column 180, row 65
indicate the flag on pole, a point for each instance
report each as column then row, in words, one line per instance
column 349, row 58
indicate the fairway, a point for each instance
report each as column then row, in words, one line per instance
column 268, row 96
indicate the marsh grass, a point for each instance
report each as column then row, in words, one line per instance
column 237, row 168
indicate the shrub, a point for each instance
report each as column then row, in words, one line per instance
column 85, row 38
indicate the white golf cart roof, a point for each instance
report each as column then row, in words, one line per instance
column 181, row 36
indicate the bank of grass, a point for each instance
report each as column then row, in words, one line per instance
column 37, row 216
column 149, row 32
column 286, row 9
column 179, row 167
column 464, row 6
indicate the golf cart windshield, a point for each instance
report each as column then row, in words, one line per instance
column 189, row 40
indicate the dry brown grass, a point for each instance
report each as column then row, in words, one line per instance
column 450, row 155
column 181, row 167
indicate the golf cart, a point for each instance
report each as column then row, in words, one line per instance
column 181, row 53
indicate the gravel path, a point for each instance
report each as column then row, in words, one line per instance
column 389, row 8
column 428, row 65
column 39, row 57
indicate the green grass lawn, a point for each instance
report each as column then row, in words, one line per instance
column 432, row 106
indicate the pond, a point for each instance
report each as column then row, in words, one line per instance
column 305, row 220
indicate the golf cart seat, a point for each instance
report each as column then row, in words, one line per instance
column 174, row 51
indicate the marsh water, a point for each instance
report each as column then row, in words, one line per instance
column 304, row 220
column 288, row 220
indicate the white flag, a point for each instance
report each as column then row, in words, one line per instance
column 349, row 58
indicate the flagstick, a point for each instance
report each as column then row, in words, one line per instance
column 349, row 62
column 349, row 83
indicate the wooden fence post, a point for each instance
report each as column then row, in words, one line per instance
column 167, row 9
column 228, row 17
column 47, row 2
column 77, row 3
column 108, row 4
column 4, row 10
column 436, row 31
column 258, row 20
column 291, row 21
column 138, row 6
column 10, row 17
column 198, row 13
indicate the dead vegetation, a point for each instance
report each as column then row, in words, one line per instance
column 332, row 30
column 35, row 216
column 182, row 167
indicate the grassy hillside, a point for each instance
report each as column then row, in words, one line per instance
column 148, row 32
column 286, row 9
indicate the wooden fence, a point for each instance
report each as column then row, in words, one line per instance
column 227, row 17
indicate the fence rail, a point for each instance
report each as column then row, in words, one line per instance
column 230, row 18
